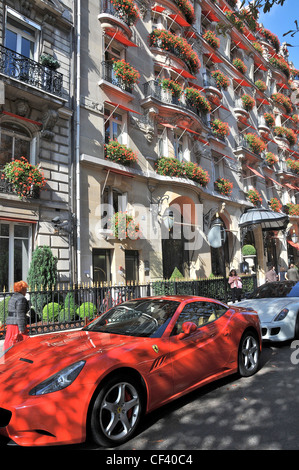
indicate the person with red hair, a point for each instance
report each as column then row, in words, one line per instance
column 16, row 320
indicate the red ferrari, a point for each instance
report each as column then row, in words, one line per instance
column 61, row 388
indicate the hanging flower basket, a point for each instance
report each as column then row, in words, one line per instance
column 239, row 64
column 221, row 80
column 220, row 128
column 282, row 100
column 254, row 197
column 248, row 102
column 196, row 99
column 256, row 144
column 123, row 226
column 174, row 87
column 269, row 119
column 212, row 39
column 270, row 158
column 125, row 72
column 127, row 9
column 176, row 45
column 223, row 186
column 119, row 153
column 26, row 179
column 275, row 204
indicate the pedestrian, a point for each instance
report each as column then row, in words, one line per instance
column 236, row 285
column 271, row 275
column 16, row 321
column 292, row 273
column 282, row 274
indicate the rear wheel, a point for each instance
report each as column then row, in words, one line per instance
column 116, row 411
column 249, row 353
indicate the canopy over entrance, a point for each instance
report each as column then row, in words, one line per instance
column 269, row 220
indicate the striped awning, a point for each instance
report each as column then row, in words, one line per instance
column 267, row 219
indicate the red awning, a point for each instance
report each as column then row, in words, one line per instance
column 179, row 20
column 120, row 37
column 124, row 108
column 260, row 66
column 283, row 85
column 158, row 8
column 290, row 186
column 183, row 72
column 168, row 125
column 200, row 88
column 274, row 181
column 249, row 36
column 188, row 130
column 210, row 15
column 262, row 100
column 213, row 58
column 190, row 34
column 255, row 171
column 242, row 82
column 119, row 172
column 239, row 44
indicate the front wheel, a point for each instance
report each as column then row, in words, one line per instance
column 249, row 354
column 116, row 412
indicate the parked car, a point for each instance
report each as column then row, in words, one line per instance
column 99, row 381
column 277, row 304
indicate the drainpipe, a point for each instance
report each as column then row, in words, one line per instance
column 77, row 149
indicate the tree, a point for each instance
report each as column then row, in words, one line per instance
column 256, row 5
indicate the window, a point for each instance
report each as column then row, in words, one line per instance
column 178, row 145
column 21, row 34
column 199, row 313
column 112, row 201
column 14, row 253
column 113, row 127
column 15, row 142
column 101, row 262
column 132, row 263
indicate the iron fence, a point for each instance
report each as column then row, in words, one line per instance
column 73, row 307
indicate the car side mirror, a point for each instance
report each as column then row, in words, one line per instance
column 188, row 327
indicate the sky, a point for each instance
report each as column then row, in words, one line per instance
column 279, row 20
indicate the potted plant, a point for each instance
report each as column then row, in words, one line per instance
column 221, row 80
column 281, row 64
column 249, row 254
column 275, row 205
column 26, row 179
column 293, row 209
column 127, row 9
column 223, row 186
column 211, row 39
column 174, row 87
column 119, row 153
column 125, row 72
column 287, row 133
column 254, row 197
column 248, row 102
column 293, row 165
column 239, row 64
column 256, row 144
column 269, row 119
column 167, row 166
column 196, row 173
column 49, row 61
column 270, row 158
column 282, row 100
column 196, row 99
column 258, row 47
column 261, row 85
column 219, row 128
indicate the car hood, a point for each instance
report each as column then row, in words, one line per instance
column 45, row 355
column 268, row 308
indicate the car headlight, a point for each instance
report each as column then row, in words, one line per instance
column 281, row 314
column 59, row 381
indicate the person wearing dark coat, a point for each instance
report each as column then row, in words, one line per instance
column 16, row 320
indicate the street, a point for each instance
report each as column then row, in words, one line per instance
column 257, row 413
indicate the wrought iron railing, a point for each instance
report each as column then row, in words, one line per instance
column 109, row 75
column 69, row 308
column 28, row 71
column 107, row 7
column 7, row 187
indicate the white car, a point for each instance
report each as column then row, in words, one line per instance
column 277, row 304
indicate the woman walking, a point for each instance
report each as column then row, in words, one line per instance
column 16, row 320
column 236, row 285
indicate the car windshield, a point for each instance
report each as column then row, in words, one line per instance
column 275, row 290
column 146, row 318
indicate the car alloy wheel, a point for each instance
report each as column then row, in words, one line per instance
column 116, row 412
column 249, row 353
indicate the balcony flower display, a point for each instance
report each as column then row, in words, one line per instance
column 220, row 128
column 283, row 100
column 293, row 209
column 235, row 20
column 254, row 197
column 293, row 165
column 250, row 19
column 281, row 64
column 196, row 99
column 295, row 119
column 258, row 47
column 261, row 85
column 123, row 226
column 270, row 158
column 256, row 144
column 221, row 80
column 119, row 153
column 287, row 133
column 196, row 173
column 127, row 9
column 269, row 119
column 272, row 38
column 239, row 64
column 275, row 204
column 49, row 61
column 125, row 72
column 212, row 39
column 177, row 45
column 26, row 179
column 248, row 102
column 223, row 186
column 187, row 9
column 174, row 87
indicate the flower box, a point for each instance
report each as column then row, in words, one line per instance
column 187, row 9
column 119, row 153
column 261, row 85
column 211, row 39
column 171, row 85
column 281, row 64
column 293, row 165
column 196, row 99
column 248, row 102
column 270, row 158
column 127, row 9
column 272, row 38
column 256, row 144
column 254, row 197
column 123, row 226
column 125, row 72
column 284, row 101
column 293, row 209
column 258, row 47
column 220, row 128
column 269, row 119
column 223, row 186
column 221, row 80
column 275, row 204
column 26, row 179
column 48, row 61
column 167, row 166
column 286, row 133
column 239, row 64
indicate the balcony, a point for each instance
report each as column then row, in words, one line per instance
column 153, row 89
column 29, row 72
column 109, row 77
column 243, row 150
column 211, row 89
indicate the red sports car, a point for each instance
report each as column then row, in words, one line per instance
column 62, row 387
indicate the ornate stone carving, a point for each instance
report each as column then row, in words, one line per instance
column 49, row 120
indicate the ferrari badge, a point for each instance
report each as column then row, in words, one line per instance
column 155, row 348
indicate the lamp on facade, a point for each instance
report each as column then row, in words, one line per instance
column 168, row 218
